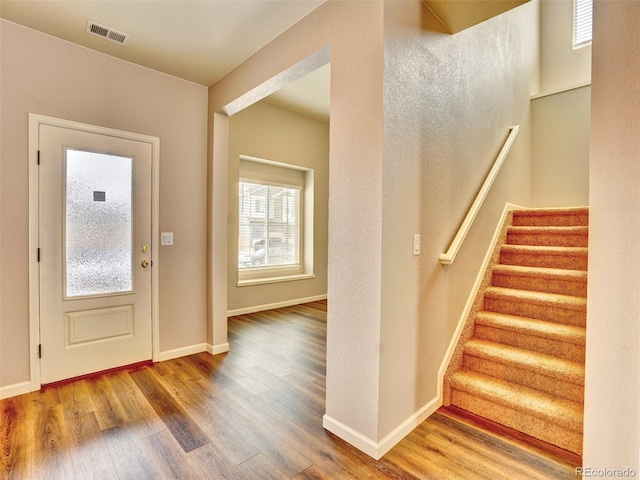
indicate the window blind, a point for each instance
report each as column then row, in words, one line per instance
column 582, row 23
column 269, row 233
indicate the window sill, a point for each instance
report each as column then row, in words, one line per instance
column 284, row 278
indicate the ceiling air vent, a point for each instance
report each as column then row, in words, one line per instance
column 107, row 33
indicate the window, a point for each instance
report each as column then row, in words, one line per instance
column 275, row 222
column 269, row 236
column 582, row 23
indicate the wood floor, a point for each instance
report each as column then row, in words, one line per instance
column 253, row 413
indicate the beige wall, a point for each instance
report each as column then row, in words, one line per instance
column 612, row 384
column 561, row 67
column 272, row 133
column 43, row 75
column 449, row 103
column 413, row 167
column 353, row 30
column 560, row 130
column 560, row 113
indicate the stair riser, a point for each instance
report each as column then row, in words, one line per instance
column 524, row 308
column 549, row 239
column 521, row 220
column 561, row 286
column 546, row 430
column 560, row 387
column 560, row 349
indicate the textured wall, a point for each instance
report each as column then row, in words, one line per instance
column 43, row 75
column 269, row 132
column 449, row 103
column 560, row 133
column 353, row 30
column 612, row 385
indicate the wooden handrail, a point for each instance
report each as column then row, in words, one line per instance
column 450, row 255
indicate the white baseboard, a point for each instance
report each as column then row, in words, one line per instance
column 271, row 306
column 349, row 435
column 377, row 450
column 216, row 349
column 182, row 352
column 192, row 349
column 17, row 389
column 406, row 427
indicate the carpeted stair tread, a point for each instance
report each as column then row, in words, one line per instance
column 569, row 302
column 551, row 307
column 531, row 326
column 550, row 280
column 525, row 400
column 551, row 338
column 567, row 230
column 556, row 216
column 542, row 272
column 574, row 258
column 560, row 236
column 519, row 358
column 547, row 249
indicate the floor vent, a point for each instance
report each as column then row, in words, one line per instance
column 107, row 33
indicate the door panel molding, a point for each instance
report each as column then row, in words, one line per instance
column 35, row 121
column 102, row 324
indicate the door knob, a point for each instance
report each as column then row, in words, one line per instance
column 144, row 263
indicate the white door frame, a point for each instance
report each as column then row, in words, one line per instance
column 35, row 121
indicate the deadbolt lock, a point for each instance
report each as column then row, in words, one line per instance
column 144, row 249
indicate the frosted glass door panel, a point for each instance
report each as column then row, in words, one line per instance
column 98, row 224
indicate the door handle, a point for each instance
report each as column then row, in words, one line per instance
column 145, row 263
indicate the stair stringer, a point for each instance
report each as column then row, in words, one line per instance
column 464, row 330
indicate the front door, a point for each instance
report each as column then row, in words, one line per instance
column 95, row 252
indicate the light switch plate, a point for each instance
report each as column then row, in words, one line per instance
column 166, row 238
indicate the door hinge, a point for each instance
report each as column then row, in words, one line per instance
column 38, row 255
column 38, row 157
column 40, row 350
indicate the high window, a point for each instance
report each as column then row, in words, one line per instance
column 582, row 23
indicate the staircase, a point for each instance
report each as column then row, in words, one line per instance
column 520, row 360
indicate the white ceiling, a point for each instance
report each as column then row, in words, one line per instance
column 197, row 40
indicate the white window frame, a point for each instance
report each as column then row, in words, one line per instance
column 268, row 172
column 582, row 23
